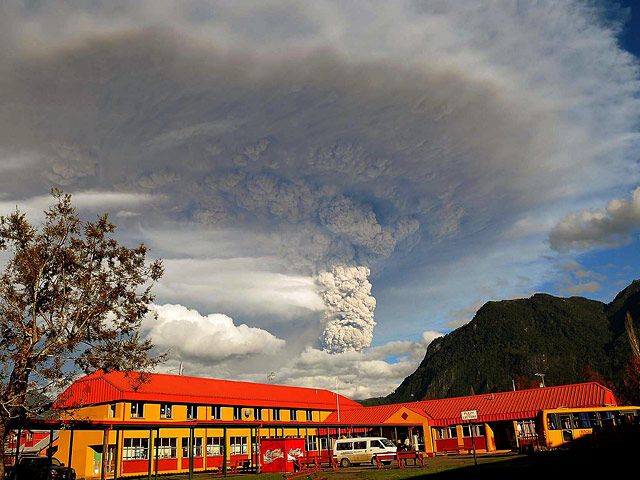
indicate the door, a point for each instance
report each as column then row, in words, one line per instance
column 360, row 453
column 97, row 459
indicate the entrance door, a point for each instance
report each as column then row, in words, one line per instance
column 503, row 435
column 97, row 459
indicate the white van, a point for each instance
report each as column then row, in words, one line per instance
column 347, row 451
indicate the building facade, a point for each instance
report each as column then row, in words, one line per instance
column 129, row 424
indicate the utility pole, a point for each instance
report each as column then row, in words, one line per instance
column 337, row 400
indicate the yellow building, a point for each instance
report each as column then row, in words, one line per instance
column 130, row 424
column 148, row 423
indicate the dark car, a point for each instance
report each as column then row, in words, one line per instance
column 40, row 468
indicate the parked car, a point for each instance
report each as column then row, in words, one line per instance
column 348, row 451
column 39, row 468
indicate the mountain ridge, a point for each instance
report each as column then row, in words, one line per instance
column 568, row 339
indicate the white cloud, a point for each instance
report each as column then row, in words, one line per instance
column 206, row 339
column 607, row 227
column 89, row 201
column 577, row 280
column 376, row 371
column 245, row 285
column 581, row 288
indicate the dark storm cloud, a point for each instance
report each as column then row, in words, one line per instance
column 344, row 134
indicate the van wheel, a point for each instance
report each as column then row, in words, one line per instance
column 345, row 463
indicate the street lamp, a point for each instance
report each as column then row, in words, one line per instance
column 541, row 375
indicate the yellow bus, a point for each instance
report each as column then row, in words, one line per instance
column 563, row 425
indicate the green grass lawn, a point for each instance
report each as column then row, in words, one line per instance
column 541, row 466
column 432, row 466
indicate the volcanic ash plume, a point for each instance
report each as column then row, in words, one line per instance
column 346, row 292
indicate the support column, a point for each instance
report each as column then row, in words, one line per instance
column 204, row 450
column 156, row 449
column 17, row 452
column 224, row 450
column 116, row 456
column 191, row 442
column 69, row 457
column 105, row 454
column 149, row 454
column 50, row 448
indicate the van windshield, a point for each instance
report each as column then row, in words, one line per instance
column 386, row 442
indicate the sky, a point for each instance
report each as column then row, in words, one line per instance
column 332, row 184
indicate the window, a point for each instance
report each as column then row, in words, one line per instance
column 197, row 447
column 135, row 449
column 216, row 412
column 112, row 410
column 293, row 414
column 565, row 422
column 276, row 414
column 583, row 420
column 446, row 432
column 360, row 445
column 137, row 410
column 166, row 447
column 324, row 443
column 552, row 422
column 309, row 415
column 192, row 412
column 238, row 445
column 478, row 431
column 312, row 443
column 257, row 414
column 214, row 446
column 344, row 446
column 237, row 413
column 165, row 410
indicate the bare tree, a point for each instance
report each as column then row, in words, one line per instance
column 72, row 300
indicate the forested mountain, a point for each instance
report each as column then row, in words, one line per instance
column 567, row 339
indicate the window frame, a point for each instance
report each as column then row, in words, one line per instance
column 212, row 444
column 197, row 447
column 166, row 411
column 311, row 443
column 138, row 445
column 216, row 412
column 237, row 413
column 137, row 409
column 192, row 411
column 164, row 444
column 233, row 445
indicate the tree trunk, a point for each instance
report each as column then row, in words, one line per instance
column 3, row 438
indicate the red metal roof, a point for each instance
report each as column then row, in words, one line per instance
column 376, row 415
column 491, row 407
column 516, row 404
column 118, row 386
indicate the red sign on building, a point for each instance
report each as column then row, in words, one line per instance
column 278, row 454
